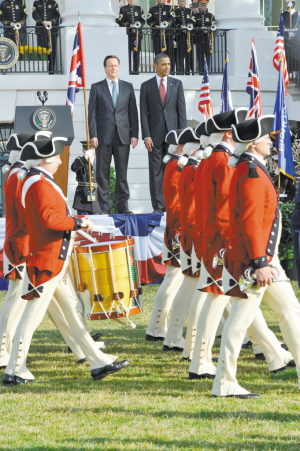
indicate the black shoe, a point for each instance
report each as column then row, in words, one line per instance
column 152, row 338
column 96, row 336
column 100, row 373
column 175, row 348
column 104, row 212
column 8, row 380
column 284, row 346
column 20, row 380
column 259, row 356
column 81, row 361
column 215, row 359
column 2, row 367
column 289, row 365
column 105, row 343
column 247, row 345
column 157, row 210
column 186, row 359
column 201, row 376
column 127, row 212
column 219, row 337
column 247, row 396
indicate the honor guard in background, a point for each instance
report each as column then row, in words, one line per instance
column 287, row 185
column 184, row 19
column 46, row 13
column 160, row 18
column 132, row 16
column 291, row 19
column 81, row 203
column 12, row 13
column 203, row 37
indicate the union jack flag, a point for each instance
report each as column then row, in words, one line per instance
column 205, row 102
column 77, row 70
column 253, row 88
column 279, row 53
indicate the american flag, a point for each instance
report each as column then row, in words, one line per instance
column 253, row 88
column 279, row 53
column 226, row 94
column 205, row 103
column 77, row 70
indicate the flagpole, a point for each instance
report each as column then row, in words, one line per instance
column 281, row 75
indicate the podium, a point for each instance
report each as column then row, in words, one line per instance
column 51, row 118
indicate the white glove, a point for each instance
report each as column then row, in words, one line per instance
column 88, row 153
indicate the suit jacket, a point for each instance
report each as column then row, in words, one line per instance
column 104, row 117
column 171, row 195
column 254, row 219
column 156, row 118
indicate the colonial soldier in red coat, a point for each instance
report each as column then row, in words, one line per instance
column 252, row 255
column 49, row 226
column 166, row 293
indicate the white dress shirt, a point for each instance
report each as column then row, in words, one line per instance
column 110, row 84
column 158, row 79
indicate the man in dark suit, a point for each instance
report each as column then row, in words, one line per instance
column 162, row 107
column 113, row 126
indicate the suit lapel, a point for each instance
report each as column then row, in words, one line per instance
column 107, row 92
column 155, row 90
column 169, row 89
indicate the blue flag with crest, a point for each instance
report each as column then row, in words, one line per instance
column 281, row 131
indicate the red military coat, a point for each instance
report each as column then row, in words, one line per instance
column 49, row 227
column 171, row 195
column 187, row 213
column 254, row 220
column 215, row 183
column 16, row 244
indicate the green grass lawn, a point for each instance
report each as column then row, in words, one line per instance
column 150, row 405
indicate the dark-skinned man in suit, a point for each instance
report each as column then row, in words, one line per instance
column 113, row 126
column 162, row 108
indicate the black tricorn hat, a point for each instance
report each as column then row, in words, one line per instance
column 17, row 140
column 201, row 130
column 223, row 121
column 43, row 148
column 84, row 145
column 252, row 129
column 182, row 136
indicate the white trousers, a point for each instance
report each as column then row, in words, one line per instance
column 195, row 310
column 32, row 317
column 243, row 312
column 258, row 330
column 163, row 302
column 180, row 311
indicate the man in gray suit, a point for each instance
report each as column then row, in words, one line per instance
column 113, row 126
column 162, row 107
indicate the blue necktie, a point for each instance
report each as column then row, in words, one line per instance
column 114, row 93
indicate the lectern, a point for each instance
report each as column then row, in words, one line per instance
column 56, row 119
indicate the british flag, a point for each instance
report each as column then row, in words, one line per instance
column 205, row 102
column 279, row 53
column 77, row 70
column 253, row 88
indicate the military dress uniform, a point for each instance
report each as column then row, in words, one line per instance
column 128, row 16
column 184, row 40
column 166, row 293
column 47, row 10
column 156, row 15
column 291, row 25
column 254, row 235
column 12, row 11
column 203, row 37
column 50, row 242
column 81, row 167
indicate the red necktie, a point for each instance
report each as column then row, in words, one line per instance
column 162, row 91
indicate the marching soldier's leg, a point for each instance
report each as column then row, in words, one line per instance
column 180, row 313
column 10, row 315
column 209, row 319
column 242, row 313
column 195, row 310
column 163, row 302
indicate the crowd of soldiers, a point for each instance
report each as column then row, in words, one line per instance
column 175, row 31
column 221, row 243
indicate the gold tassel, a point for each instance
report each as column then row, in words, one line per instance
column 189, row 47
column 163, row 41
column 137, row 41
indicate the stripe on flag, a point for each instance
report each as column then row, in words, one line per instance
column 253, row 87
column 279, row 53
column 205, row 101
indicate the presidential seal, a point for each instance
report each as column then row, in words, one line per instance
column 44, row 118
column 9, row 53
